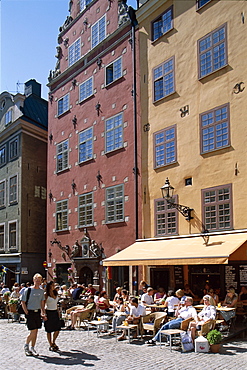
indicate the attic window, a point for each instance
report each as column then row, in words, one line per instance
column 8, row 117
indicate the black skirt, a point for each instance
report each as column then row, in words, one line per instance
column 53, row 321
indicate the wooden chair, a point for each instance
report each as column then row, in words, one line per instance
column 185, row 324
column 153, row 321
column 67, row 313
column 82, row 320
column 207, row 327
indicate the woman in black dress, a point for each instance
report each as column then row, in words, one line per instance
column 52, row 324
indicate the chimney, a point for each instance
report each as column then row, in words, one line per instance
column 32, row 87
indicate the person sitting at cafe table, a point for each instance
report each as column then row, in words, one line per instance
column 147, row 298
column 208, row 313
column 171, row 303
column 188, row 292
column 180, row 295
column 118, row 294
column 181, row 314
column 83, row 313
column 103, row 303
column 231, row 298
column 136, row 312
column 77, row 292
column 214, row 296
column 125, row 295
column 161, row 294
column 119, row 314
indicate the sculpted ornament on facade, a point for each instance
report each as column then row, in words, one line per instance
column 122, row 12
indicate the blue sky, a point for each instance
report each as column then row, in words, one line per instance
column 29, row 30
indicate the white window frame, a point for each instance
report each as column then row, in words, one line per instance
column 85, row 143
column 4, row 203
column 3, row 224
column 8, row 117
column 15, row 201
column 64, row 213
column 87, row 94
column 84, row 4
column 113, row 70
column 72, row 56
column 66, row 107
column 87, row 208
column 96, row 24
column 113, row 133
column 16, row 230
column 63, row 153
column 112, row 204
column 15, row 139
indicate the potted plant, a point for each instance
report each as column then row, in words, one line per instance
column 13, row 304
column 214, row 338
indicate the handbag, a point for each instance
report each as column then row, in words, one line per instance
column 62, row 323
column 19, row 305
column 186, row 340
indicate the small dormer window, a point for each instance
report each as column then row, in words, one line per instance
column 8, row 117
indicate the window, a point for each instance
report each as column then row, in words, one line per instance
column 84, row 3
column 3, row 155
column 114, row 133
column 63, row 105
column 13, row 189
column 62, row 156
column 165, row 218
column 215, row 129
column 86, row 210
column 212, row 51
column 162, row 24
column 12, row 235
column 2, row 237
column 200, row 3
column 98, row 31
column 114, row 71
column 74, row 52
column 62, row 215
column 86, row 89
column 8, row 117
column 86, row 145
column 164, row 79
column 115, row 204
column 217, row 209
column 13, row 148
column 2, row 194
column 165, row 147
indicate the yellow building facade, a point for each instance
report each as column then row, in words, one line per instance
column 193, row 112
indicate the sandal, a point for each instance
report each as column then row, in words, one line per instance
column 51, row 348
column 55, row 347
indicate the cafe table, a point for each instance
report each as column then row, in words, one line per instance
column 155, row 305
column 128, row 328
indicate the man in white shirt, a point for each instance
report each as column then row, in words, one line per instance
column 171, row 303
column 183, row 313
column 147, row 298
column 136, row 311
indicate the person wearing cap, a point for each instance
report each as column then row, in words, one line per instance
column 208, row 313
column 147, row 298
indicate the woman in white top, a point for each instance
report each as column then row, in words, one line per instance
column 208, row 313
column 52, row 324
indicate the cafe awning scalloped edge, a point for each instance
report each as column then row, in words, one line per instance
column 187, row 250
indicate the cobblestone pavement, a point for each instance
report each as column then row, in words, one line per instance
column 79, row 350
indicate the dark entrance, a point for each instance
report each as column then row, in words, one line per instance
column 86, row 276
column 62, row 273
column 159, row 278
column 207, row 274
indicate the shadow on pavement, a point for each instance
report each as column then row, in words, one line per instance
column 74, row 357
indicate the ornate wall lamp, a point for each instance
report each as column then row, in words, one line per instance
column 97, row 107
column 74, row 121
column 50, row 195
column 50, row 137
column 73, row 185
column 167, row 194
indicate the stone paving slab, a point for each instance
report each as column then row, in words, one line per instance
column 79, row 350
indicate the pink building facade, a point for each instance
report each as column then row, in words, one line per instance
column 93, row 174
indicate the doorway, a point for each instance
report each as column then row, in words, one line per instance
column 159, row 278
column 86, row 276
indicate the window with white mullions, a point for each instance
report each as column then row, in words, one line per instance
column 114, row 133
column 164, row 79
column 86, row 89
column 165, row 146
column 84, row 4
column 63, row 104
column 13, row 189
column 86, row 145
column 162, row 24
column 62, row 215
column 217, row 208
column 115, row 204
column 165, row 218
column 62, row 155
column 86, row 210
column 114, row 71
column 98, row 31
column 74, row 52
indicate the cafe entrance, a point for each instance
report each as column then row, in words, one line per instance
column 207, row 274
column 159, row 278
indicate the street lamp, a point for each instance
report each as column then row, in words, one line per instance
column 167, row 194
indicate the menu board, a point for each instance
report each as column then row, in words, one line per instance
column 243, row 275
column 230, row 277
column 179, row 276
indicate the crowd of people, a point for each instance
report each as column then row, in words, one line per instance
column 45, row 301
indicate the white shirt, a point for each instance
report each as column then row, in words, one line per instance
column 137, row 311
column 187, row 312
column 208, row 312
column 171, row 301
column 148, row 299
column 51, row 303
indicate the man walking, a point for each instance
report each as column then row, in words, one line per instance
column 34, row 310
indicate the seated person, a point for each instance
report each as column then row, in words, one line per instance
column 119, row 315
column 181, row 314
column 77, row 292
column 118, row 294
column 188, row 292
column 103, row 303
column 125, row 295
column 208, row 313
column 90, row 290
column 136, row 311
column 243, row 294
column 147, row 298
column 83, row 313
column 214, row 296
column 159, row 295
column 171, row 303
column 180, row 295
column 231, row 298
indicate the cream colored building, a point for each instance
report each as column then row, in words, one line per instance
column 193, row 111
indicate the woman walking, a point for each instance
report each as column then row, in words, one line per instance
column 52, row 324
